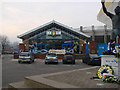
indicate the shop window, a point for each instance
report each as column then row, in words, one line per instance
column 49, row 46
column 64, row 46
column 43, row 46
column 38, row 47
column 68, row 46
column 58, row 46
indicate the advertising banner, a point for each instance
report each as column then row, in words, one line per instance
column 57, row 51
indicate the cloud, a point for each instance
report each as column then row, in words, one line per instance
column 21, row 17
column 10, row 9
column 51, row 0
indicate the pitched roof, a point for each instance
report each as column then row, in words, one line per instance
column 53, row 21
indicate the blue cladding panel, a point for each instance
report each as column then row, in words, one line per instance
column 86, row 49
column 101, row 47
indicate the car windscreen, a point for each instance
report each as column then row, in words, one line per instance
column 24, row 54
column 68, row 54
column 94, row 55
column 51, row 55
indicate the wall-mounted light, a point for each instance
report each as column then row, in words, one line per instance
column 88, row 42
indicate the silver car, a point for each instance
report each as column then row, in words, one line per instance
column 26, row 57
column 51, row 58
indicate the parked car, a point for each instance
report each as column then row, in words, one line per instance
column 68, row 58
column 15, row 52
column 92, row 59
column 51, row 58
column 26, row 57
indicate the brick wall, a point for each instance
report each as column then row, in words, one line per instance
column 16, row 56
column 83, row 49
column 21, row 46
column 93, row 47
column 42, row 56
column 118, row 39
column 60, row 56
column 26, row 43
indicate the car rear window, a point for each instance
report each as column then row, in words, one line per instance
column 51, row 55
column 68, row 54
column 94, row 55
column 24, row 54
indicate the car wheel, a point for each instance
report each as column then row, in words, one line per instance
column 83, row 61
column 73, row 62
column 63, row 62
column 19, row 61
column 30, row 62
column 56, row 62
column 33, row 61
column 46, row 63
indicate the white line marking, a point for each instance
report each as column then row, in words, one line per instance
column 63, row 72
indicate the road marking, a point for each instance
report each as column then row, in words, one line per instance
column 67, row 65
column 63, row 72
column 87, row 68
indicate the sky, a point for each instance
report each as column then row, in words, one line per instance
column 20, row 16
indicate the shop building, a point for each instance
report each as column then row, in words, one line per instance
column 53, row 37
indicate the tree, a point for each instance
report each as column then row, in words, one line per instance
column 15, row 46
column 4, row 42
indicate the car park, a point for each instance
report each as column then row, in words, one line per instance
column 68, row 58
column 51, row 58
column 26, row 57
column 92, row 59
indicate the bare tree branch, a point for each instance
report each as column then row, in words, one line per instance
column 4, row 42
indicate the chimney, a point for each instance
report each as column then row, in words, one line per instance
column 81, row 28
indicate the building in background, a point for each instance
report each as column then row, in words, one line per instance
column 0, row 48
column 53, row 37
column 99, row 34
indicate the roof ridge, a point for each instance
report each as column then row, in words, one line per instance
column 53, row 21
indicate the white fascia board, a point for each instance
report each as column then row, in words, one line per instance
column 19, row 36
column 53, row 21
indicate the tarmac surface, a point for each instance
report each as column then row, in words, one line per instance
column 12, row 71
column 78, row 75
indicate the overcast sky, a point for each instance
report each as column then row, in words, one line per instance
column 19, row 17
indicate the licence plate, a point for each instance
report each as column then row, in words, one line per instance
column 51, row 58
column 23, row 60
column 68, row 60
column 96, row 59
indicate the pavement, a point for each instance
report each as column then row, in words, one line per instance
column 81, row 78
